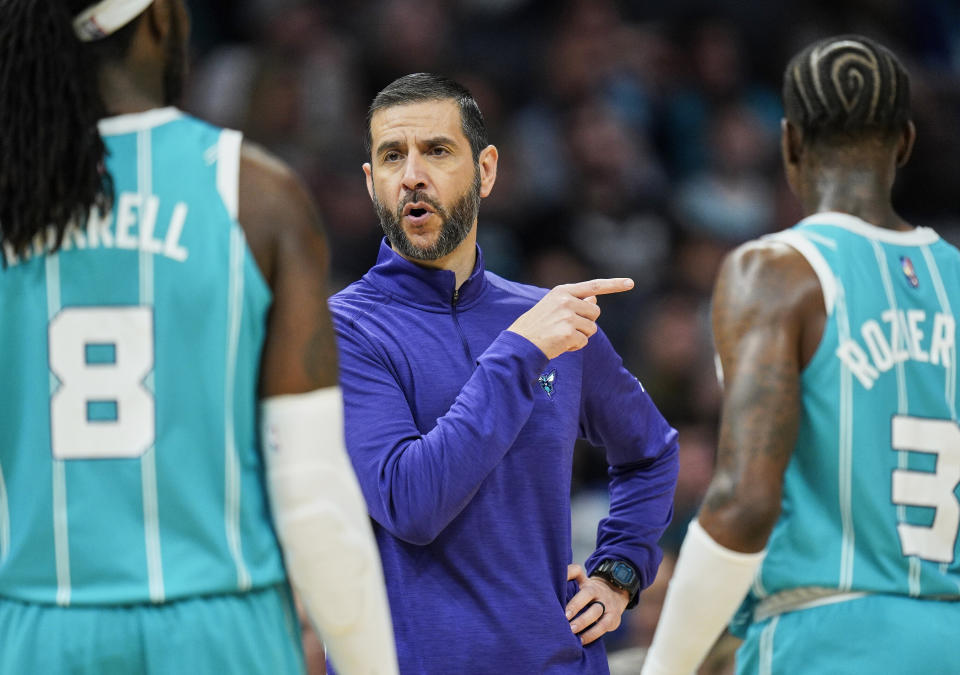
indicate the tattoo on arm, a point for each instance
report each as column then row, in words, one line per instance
column 761, row 301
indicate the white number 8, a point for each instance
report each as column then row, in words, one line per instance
column 101, row 356
column 936, row 542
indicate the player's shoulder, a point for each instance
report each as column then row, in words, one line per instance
column 251, row 155
column 272, row 192
column 263, row 166
column 186, row 119
column 769, row 276
column 766, row 258
column 179, row 129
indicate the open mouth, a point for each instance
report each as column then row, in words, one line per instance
column 417, row 210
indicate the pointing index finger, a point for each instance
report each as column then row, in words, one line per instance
column 585, row 289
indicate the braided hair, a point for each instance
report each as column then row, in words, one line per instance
column 52, row 157
column 845, row 88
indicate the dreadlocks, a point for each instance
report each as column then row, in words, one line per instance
column 51, row 154
column 846, row 87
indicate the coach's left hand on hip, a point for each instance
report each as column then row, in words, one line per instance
column 596, row 608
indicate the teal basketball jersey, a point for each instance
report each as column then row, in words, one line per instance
column 130, row 468
column 871, row 495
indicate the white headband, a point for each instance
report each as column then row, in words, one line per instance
column 106, row 17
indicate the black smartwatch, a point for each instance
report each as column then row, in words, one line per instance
column 620, row 574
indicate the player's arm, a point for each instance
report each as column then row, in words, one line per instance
column 320, row 516
column 768, row 316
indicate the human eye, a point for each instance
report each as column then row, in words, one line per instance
column 439, row 151
column 391, row 156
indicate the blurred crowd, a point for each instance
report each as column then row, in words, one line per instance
column 636, row 139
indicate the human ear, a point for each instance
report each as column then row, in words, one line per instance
column 487, row 161
column 905, row 144
column 368, row 173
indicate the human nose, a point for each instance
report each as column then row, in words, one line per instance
column 414, row 172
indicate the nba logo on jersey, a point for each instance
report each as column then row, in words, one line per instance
column 907, row 266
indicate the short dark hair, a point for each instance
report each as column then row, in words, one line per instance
column 51, row 153
column 846, row 87
column 419, row 87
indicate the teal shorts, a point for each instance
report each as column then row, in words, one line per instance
column 889, row 634
column 244, row 633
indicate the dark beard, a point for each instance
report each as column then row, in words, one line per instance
column 455, row 226
column 175, row 67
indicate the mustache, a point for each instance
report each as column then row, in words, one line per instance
column 419, row 196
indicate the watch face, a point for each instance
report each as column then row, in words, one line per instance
column 623, row 573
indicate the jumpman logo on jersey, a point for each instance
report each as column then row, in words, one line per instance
column 546, row 381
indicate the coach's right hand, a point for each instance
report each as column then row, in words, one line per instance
column 566, row 317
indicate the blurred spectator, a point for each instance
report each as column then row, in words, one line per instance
column 672, row 349
column 732, row 197
column 614, row 190
column 717, row 79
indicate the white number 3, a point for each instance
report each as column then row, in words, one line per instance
column 936, row 490
column 102, row 408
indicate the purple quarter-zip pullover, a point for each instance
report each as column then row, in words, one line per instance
column 462, row 435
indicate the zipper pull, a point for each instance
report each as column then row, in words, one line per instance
column 456, row 295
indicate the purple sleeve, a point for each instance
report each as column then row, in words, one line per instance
column 414, row 483
column 641, row 449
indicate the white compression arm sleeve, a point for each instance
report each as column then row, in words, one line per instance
column 321, row 519
column 709, row 583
